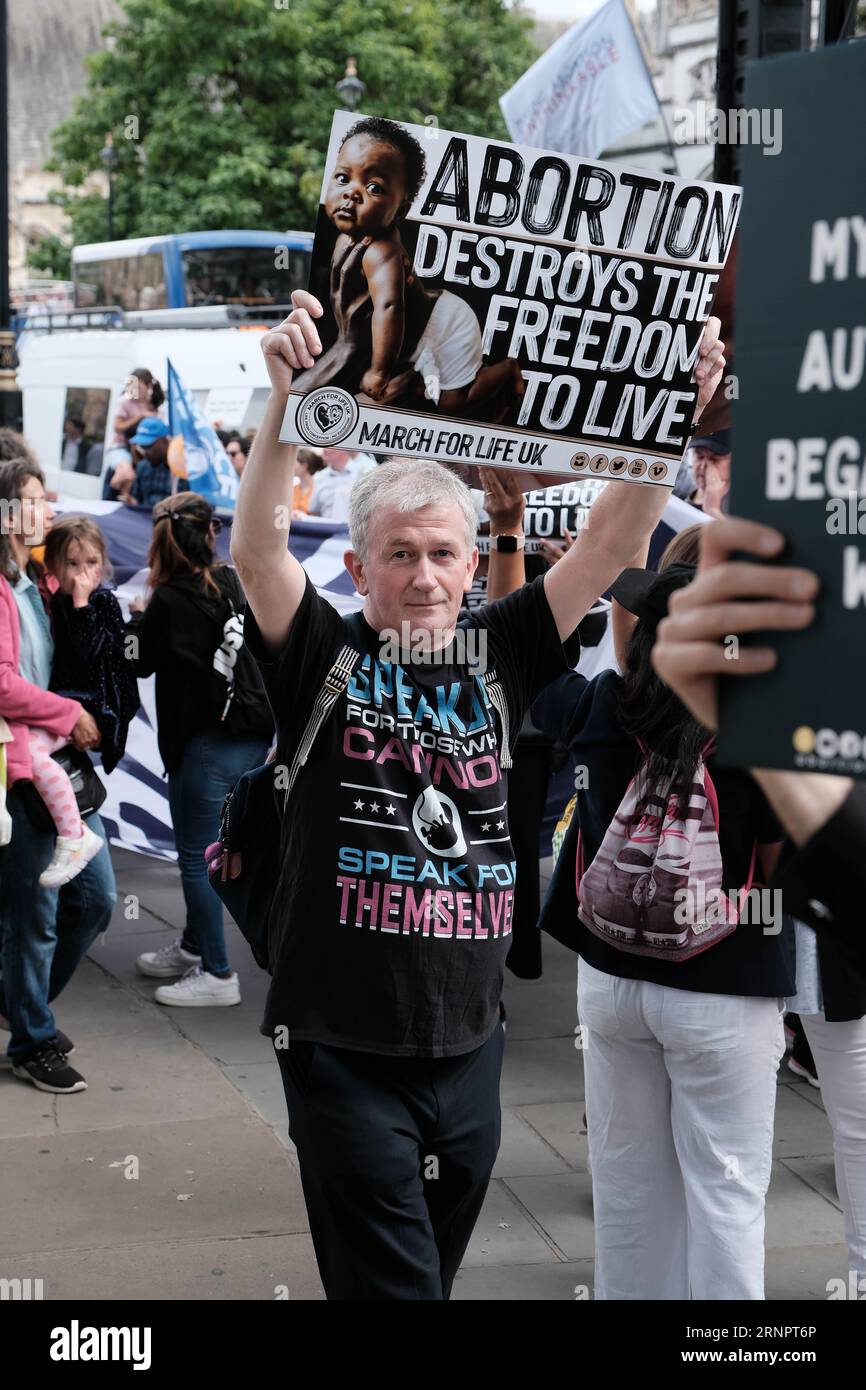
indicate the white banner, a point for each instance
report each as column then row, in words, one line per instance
column 589, row 88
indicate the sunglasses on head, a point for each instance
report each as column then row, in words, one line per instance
column 215, row 522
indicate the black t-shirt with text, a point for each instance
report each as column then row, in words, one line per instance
column 392, row 915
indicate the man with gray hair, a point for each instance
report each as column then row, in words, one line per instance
column 392, row 916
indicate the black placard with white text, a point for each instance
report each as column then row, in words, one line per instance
column 799, row 441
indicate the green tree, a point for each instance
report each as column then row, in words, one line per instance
column 220, row 110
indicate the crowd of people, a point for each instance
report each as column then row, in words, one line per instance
column 138, row 468
column 416, row 791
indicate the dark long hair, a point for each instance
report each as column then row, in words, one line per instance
column 149, row 381
column 183, row 541
column 13, row 475
column 651, row 712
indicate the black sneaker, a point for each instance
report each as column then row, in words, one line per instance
column 49, row 1070
column 63, row 1043
column 60, row 1040
column 801, row 1062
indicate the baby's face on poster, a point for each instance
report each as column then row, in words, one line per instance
column 366, row 188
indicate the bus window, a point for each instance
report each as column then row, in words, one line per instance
column 85, row 416
column 244, row 274
column 133, row 282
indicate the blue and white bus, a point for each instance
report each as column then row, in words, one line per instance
column 187, row 269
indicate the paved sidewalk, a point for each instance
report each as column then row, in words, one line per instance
column 216, row 1212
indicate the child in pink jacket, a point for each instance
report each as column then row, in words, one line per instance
column 35, row 717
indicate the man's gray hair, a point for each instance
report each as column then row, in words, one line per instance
column 409, row 485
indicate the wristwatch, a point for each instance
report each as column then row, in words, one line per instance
column 508, row 545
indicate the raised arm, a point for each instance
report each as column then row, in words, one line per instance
column 505, row 503
column 622, row 519
column 622, row 622
column 272, row 578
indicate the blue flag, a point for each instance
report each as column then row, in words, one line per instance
column 209, row 469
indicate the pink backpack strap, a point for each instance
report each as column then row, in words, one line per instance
column 712, row 796
column 579, row 865
column 713, row 799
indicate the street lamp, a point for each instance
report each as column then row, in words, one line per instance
column 350, row 88
column 108, row 155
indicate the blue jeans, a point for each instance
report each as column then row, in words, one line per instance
column 196, row 791
column 45, row 932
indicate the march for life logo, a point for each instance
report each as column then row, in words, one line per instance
column 425, row 850
column 544, row 311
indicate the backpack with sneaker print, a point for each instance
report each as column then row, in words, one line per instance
column 654, row 888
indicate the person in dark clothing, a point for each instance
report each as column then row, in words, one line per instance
column 90, row 663
column 391, row 916
column 823, row 884
column 680, row 1056
column 824, row 876
column 152, row 473
column 188, row 635
column 498, row 574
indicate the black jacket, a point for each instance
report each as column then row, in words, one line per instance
column 824, row 884
column 178, row 634
column 90, row 666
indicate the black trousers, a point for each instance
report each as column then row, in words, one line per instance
column 395, row 1156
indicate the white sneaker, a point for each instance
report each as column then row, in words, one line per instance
column 70, row 857
column 170, row 960
column 200, row 990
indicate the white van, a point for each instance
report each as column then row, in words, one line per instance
column 68, row 373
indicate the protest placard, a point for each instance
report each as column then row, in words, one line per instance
column 488, row 303
column 551, row 511
column 799, row 456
